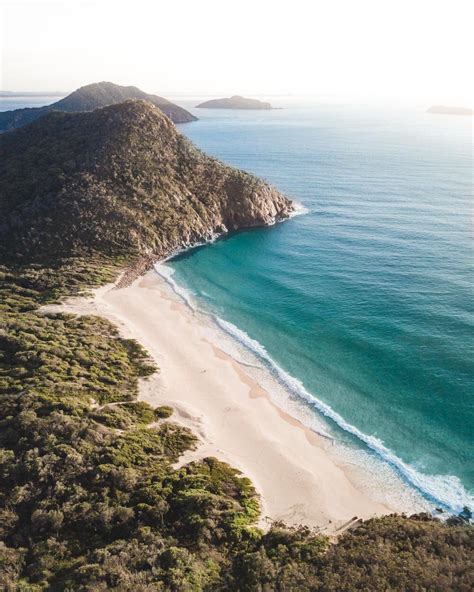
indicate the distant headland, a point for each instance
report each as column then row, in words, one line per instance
column 446, row 110
column 90, row 97
column 235, row 102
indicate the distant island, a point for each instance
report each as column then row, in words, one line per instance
column 235, row 102
column 90, row 97
column 446, row 110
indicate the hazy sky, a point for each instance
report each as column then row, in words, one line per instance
column 347, row 48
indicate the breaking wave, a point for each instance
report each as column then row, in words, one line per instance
column 443, row 490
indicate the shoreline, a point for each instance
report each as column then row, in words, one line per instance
column 298, row 478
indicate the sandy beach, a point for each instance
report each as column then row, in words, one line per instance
column 233, row 416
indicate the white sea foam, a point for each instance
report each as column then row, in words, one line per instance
column 299, row 210
column 167, row 274
column 443, row 490
column 212, row 239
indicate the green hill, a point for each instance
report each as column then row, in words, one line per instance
column 119, row 181
column 90, row 97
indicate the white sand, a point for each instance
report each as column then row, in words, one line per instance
column 232, row 415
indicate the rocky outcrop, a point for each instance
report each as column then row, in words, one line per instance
column 120, row 181
column 235, row 102
column 90, row 97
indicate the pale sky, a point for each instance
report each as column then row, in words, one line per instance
column 368, row 49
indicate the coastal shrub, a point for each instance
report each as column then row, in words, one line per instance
column 60, row 354
column 124, row 415
column 163, row 412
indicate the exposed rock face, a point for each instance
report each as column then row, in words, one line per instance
column 121, row 181
column 445, row 110
column 235, row 102
column 90, row 97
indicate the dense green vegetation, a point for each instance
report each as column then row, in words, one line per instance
column 91, row 495
column 90, row 97
column 86, row 470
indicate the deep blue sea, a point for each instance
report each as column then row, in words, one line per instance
column 367, row 300
column 363, row 307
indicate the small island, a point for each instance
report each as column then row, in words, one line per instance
column 235, row 102
column 445, row 110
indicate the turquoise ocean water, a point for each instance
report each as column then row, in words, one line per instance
column 363, row 307
column 364, row 304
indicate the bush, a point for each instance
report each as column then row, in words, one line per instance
column 163, row 412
